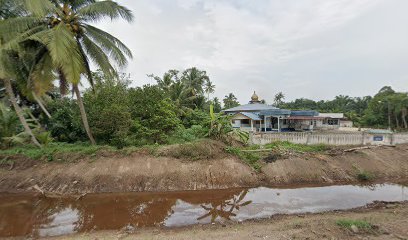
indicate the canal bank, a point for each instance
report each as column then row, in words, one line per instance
column 140, row 172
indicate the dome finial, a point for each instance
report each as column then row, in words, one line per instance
column 254, row 98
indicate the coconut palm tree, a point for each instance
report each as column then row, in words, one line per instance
column 230, row 101
column 195, row 79
column 209, row 88
column 62, row 26
column 8, row 64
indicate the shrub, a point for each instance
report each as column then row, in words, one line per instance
column 183, row 135
column 252, row 159
column 347, row 223
column 365, row 176
column 65, row 124
column 198, row 150
column 112, row 125
column 195, row 117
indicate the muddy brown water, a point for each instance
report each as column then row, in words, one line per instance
column 36, row 216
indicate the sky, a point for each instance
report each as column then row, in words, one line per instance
column 313, row 49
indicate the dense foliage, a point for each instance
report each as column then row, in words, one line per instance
column 386, row 108
column 43, row 42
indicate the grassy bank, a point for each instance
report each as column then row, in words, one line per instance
column 257, row 155
column 55, row 151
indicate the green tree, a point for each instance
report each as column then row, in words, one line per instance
column 108, row 109
column 278, row 99
column 9, row 122
column 185, row 89
column 65, row 122
column 209, row 88
column 9, row 61
column 230, row 101
column 154, row 114
column 217, row 105
column 62, row 26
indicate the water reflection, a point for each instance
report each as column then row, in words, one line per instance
column 224, row 209
column 36, row 216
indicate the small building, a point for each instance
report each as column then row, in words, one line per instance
column 259, row 117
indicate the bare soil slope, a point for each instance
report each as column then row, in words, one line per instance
column 145, row 172
column 382, row 163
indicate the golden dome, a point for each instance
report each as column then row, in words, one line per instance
column 254, row 97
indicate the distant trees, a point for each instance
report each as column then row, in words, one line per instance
column 278, row 99
column 230, row 101
column 186, row 89
column 386, row 108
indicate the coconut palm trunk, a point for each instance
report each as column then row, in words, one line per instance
column 404, row 117
column 40, row 103
column 397, row 120
column 83, row 114
column 19, row 111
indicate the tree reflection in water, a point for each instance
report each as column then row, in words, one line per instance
column 225, row 208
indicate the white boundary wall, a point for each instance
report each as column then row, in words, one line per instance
column 352, row 138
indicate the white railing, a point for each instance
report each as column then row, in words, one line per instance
column 331, row 138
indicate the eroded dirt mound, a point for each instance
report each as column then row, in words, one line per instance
column 186, row 168
column 137, row 172
column 378, row 163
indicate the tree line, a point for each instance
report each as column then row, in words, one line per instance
column 387, row 108
column 42, row 41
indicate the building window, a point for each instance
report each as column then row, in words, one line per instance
column 245, row 121
column 233, row 121
column 333, row 122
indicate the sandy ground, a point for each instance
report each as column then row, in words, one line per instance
column 389, row 221
column 144, row 172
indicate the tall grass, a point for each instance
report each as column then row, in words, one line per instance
column 49, row 151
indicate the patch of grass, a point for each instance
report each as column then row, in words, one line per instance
column 360, row 224
column 197, row 150
column 365, row 176
column 49, row 152
column 297, row 147
column 250, row 158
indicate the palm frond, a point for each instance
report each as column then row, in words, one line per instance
column 11, row 8
column 110, row 48
column 40, row 8
column 77, row 4
column 42, row 75
column 13, row 42
column 86, row 63
column 64, row 51
column 13, row 26
column 98, row 57
column 100, row 35
column 98, row 10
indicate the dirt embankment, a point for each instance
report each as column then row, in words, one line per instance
column 144, row 172
column 388, row 221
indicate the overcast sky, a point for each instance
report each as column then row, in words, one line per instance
column 314, row 49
